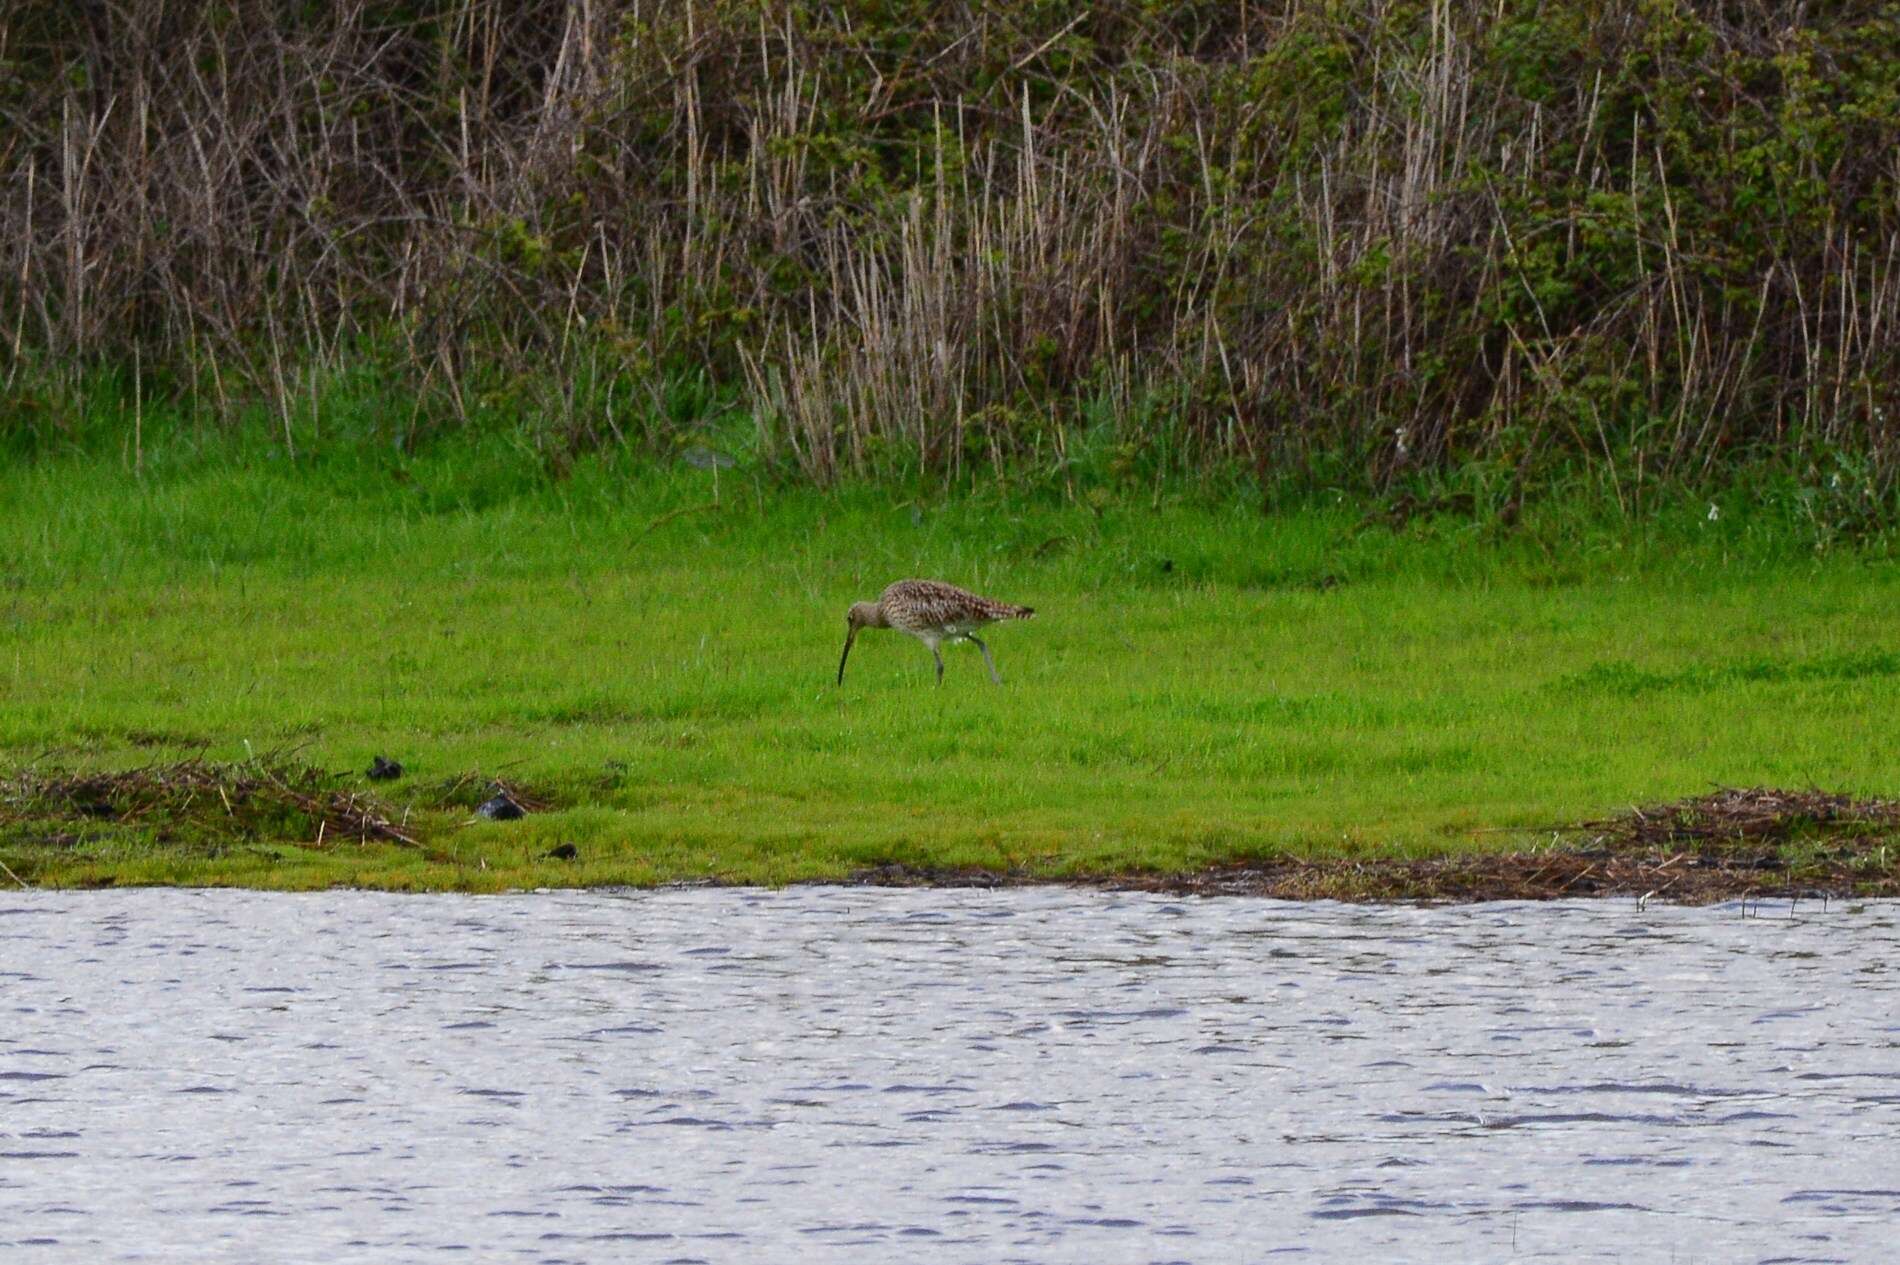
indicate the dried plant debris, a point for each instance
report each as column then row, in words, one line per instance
column 269, row 798
column 1757, row 815
column 1733, row 843
column 490, row 797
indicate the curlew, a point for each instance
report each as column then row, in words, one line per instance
column 933, row 612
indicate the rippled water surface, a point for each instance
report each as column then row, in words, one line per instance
column 849, row 1074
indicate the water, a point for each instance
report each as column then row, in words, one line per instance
column 870, row 1075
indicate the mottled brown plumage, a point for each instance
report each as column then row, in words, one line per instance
column 933, row 612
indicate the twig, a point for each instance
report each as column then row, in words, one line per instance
column 1045, row 45
column 670, row 515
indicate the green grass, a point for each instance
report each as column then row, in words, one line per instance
column 1202, row 682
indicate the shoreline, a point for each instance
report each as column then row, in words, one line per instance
column 1676, row 878
column 1732, row 843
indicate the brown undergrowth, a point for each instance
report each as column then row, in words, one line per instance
column 1373, row 238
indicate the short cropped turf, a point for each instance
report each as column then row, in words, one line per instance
column 646, row 649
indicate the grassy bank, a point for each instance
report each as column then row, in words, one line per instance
column 1416, row 425
column 646, row 654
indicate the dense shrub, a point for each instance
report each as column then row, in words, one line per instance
column 1371, row 238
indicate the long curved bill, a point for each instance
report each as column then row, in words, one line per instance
column 848, row 639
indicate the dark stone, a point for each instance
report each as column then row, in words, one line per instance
column 384, row 769
column 703, row 458
column 563, row 852
column 501, row 808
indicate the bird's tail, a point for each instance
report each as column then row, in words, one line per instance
column 989, row 608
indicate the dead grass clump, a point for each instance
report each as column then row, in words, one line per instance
column 267, row 798
column 472, row 789
column 1752, row 815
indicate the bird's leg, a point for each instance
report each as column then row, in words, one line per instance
column 938, row 655
column 987, row 661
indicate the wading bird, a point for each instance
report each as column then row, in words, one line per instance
column 933, row 612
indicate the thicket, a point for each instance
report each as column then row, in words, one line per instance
column 1369, row 240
